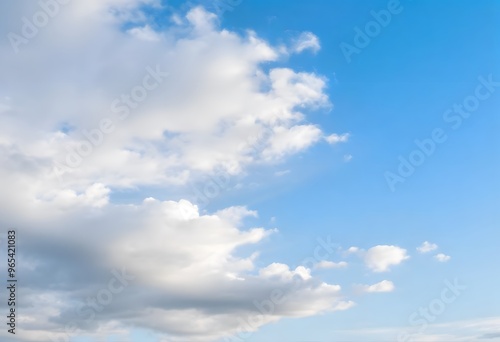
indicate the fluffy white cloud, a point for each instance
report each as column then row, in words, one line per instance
column 442, row 257
column 184, row 267
column 147, row 107
column 380, row 258
column 221, row 106
column 282, row 271
column 286, row 141
column 427, row 247
column 383, row 286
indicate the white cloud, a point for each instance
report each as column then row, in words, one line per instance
column 282, row 271
column 383, row 286
column 353, row 249
column 235, row 215
column 144, row 33
column 330, row 264
column 306, row 41
column 442, row 257
column 219, row 108
column 185, row 265
column 291, row 140
column 427, row 247
column 96, row 195
column 224, row 106
column 380, row 258
column 337, row 138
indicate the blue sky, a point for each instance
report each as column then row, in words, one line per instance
column 395, row 91
column 342, row 130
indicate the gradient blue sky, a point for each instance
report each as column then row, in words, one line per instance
column 431, row 56
column 395, row 91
